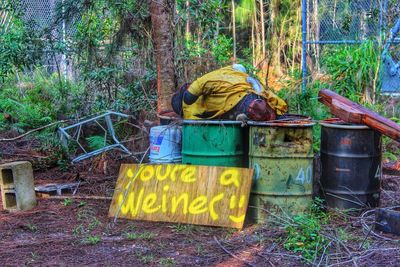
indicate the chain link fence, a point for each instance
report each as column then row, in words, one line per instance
column 39, row 13
column 45, row 18
column 328, row 23
column 48, row 15
column 325, row 23
column 338, row 21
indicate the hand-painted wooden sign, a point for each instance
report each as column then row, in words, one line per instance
column 203, row 195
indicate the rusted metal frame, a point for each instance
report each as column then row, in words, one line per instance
column 110, row 130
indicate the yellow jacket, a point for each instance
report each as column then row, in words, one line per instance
column 220, row 90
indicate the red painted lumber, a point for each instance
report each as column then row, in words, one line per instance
column 352, row 112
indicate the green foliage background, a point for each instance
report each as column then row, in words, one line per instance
column 112, row 54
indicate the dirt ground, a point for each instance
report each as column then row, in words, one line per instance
column 76, row 232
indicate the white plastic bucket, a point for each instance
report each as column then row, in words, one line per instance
column 165, row 144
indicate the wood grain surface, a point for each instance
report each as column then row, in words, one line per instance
column 204, row 195
column 349, row 111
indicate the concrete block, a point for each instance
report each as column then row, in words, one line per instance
column 18, row 200
column 15, row 174
column 7, row 179
column 17, row 187
column 9, row 200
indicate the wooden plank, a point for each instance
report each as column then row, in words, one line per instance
column 204, row 195
column 349, row 111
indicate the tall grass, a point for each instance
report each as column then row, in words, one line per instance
column 354, row 70
column 33, row 100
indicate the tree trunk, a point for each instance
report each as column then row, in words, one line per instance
column 275, row 38
column 258, row 52
column 163, row 39
column 262, row 22
column 316, row 32
column 253, row 45
column 295, row 46
column 234, row 30
column 217, row 26
column 187, row 30
column 263, row 64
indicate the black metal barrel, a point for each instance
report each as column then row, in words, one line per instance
column 350, row 165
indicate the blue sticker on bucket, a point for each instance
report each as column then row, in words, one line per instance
column 159, row 140
column 156, row 140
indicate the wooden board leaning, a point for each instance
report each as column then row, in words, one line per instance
column 352, row 112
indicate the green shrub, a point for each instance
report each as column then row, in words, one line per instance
column 97, row 142
column 37, row 99
column 20, row 47
column 304, row 235
column 353, row 69
column 145, row 235
column 306, row 103
column 91, row 239
column 221, row 49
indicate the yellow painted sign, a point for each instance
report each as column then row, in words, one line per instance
column 203, row 195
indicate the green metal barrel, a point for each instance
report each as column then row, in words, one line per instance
column 214, row 143
column 281, row 154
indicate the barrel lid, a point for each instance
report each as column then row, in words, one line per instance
column 283, row 123
column 292, row 117
column 214, row 122
column 286, row 120
column 340, row 124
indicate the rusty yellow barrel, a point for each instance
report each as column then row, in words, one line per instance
column 281, row 154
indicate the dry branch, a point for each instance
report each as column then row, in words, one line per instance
column 78, row 197
column 31, row 131
column 233, row 255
